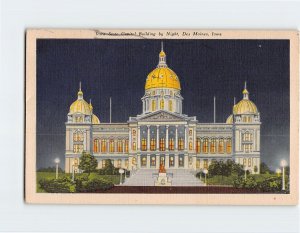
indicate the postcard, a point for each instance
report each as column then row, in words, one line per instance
column 162, row 117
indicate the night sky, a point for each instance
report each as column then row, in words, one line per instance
column 118, row 68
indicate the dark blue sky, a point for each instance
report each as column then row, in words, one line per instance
column 118, row 68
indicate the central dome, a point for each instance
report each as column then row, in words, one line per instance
column 162, row 76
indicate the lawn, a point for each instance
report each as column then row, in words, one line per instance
column 51, row 175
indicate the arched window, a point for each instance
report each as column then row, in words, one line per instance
column 133, row 146
column 170, row 105
column 247, row 137
column 133, row 161
column 78, row 148
column 162, row 144
column 244, row 162
column 103, row 163
column 78, row 136
column 198, row 145
column 162, row 104
column 126, row 145
column 180, row 144
column 190, row 145
column 153, row 105
column 119, row 163
column 249, row 162
column 144, row 144
column 205, row 163
column 171, row 144
column 103, row 145
column 144, row 161
column 205, row 146
column 228, row 146
column 111, row 145
column 221, row 146
column 153, row 161
column 213, row 146
column 153, row 144
column 120, row 146
column 96, row 145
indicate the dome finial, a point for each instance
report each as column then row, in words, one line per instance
column 90, row 105
column 80, row 86
column 80, row 93
column 162, row 57
column 162, row 46
column 245, row 92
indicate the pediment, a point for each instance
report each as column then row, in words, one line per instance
column 161, row 116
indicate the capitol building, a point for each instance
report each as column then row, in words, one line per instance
column 162, row 133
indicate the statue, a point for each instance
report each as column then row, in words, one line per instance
column 162, row 169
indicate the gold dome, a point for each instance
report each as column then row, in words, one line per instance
column 80, row 105
column 245, row 105
column 229, row 119
column 162, row 54
column 95, row 120
column 162, row 77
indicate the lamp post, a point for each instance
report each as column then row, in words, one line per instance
column 283, row 164
column 121, row 171
column 56, row 162
column 205, row 171
column 245, row 169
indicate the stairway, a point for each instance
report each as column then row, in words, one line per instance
column 181, row 177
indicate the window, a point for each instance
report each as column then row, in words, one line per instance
column 96, row 145
column 247, row 148
column 79, row 119
column 181, row 161
column 126, row 145
column 78, row 136
column 249, row 162
column 153, row 161
column 170, row 105
column 213, row 146
column 103, row 163
column 171, row 144
column 120, row 146
column 153, row 144
column 111, row 145
column 119, row 163
column 205, row 146
column 221, row 146
column 162, row 104
column 171, row 161
column 228, row 146
column 198, row 163
column 162, row 160
column 162, row 144
column 247, row 137
column 190, row 145
column 77, row 148
column 133, row 146
column 126, row 163
column 198, row 145
column 103, row 145
column 133, row 160
column 205, row 163
column 144, row 161
column 144, row 144
column 153, row 105
column 244, row 162
column 180, row 144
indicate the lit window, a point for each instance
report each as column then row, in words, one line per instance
column 133, row 160
column 162, row 144
column 153, row 105
column 205, row 146
column 213, row 146
column 162, row 104
column 144, row 144
column 198, row 163
column 171, row 144
column 103, row 163
column 103, row 145
column 221, row 146
column 190, row 146
column 153, row 161
column 171, row 161
column 78, row 148
column 198, row 145
column 119, row 163
column 111, row 145
column 96, row 145
column 170, row 105
column 244, row 162
column 228, row 146
column 126, row 145
column 181, row 161
column 78, row 137
column 120, row 146
column 249, row 162
column 205, row 163
column 180, row 144
column 133, row 146
column 153, row 144
column 144, row 161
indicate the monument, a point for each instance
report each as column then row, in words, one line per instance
column 162, row 179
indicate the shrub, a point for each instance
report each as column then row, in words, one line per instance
column 92, row 185
column 61, row 185
column 249, row 183
column 109, row 169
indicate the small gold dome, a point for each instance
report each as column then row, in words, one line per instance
column 229, row 119
column 80, row 105
column 245, row 106
column 162, row 77
column 95, row 120
column 162, row 54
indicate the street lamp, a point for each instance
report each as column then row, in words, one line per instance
column 56, row 162
column 121, row 171
column 283, row 164
column 278, row 171
column 245, row 169
column 205, row 172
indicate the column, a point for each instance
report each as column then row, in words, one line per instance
column 130, row 163
column 185, row 137
column 157, row 162
column 138, row 138
column 138, row 161
column 148, row 137
column 167, row 137
column 123, row 146
column 176, row 161
column 167, row 158
column 123, row 163
column 194, row 159
column 176, row 137
column 129, row 141
column 186, row 161
column 157, row 137
column 148, row 161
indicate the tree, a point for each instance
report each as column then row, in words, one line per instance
column 264, row 169
column 255, row 169
column 87, row 163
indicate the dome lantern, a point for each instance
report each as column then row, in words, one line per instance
column 245, row 92
column 162, row 57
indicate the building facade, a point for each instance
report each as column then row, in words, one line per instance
column 162, row 134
